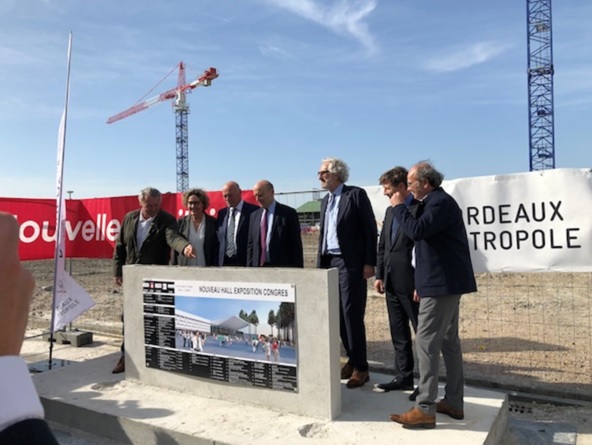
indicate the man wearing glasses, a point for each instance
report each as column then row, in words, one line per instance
column 347, row 242
column 443, row 273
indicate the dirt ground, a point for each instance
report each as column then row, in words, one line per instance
column 521, row 332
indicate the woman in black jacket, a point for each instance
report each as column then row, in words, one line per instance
column 199, row 229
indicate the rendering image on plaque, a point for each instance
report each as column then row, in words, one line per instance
column 234, row 332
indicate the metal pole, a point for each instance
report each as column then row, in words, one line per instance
column 69, row 192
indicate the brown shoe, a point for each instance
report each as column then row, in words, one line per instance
column 444, row 408
column 120, row 366
column 414, row 418
column 347, row 371
column 358, row 379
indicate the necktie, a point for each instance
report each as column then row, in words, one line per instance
column 394, row 228
column 331, row 202
column 230, row 246
column 330, row 205
column 263, row 239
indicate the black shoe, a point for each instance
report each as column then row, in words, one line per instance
column 414, row 394
column 394, row 385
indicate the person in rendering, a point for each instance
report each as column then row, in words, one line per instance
column 147, row 236
column 266, row 348
column 274, row 232
column 395, row 276
column 443, row 273
column 233, row 227
column 347, row 241
column 197, row 341
column 199, row 229
column 21, row 413
column 275, row 349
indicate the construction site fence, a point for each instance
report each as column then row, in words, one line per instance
column 527, row 332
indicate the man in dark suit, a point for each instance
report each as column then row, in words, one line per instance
column 443, row 273
column 233, row 232
column 147, row 236
column 274, row 232
column 347, row 241
column 21, row 413
column 395, row 275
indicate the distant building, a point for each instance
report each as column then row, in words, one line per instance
column 231, row 325
column 309, row 214
column 189, row 322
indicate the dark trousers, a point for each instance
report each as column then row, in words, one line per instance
column 402, row 311
column 230, row 261
column 353, row 293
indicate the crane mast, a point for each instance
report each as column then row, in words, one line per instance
column 541, row 134
column 181, row 107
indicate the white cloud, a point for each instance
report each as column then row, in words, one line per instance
column 217, row 17
column 274, row 51
column 460, row 58
column 344, row 17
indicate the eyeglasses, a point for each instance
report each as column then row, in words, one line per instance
column 322, row 172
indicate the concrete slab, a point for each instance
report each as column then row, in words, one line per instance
column 86, row 396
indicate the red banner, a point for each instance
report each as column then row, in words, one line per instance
column 92, row 225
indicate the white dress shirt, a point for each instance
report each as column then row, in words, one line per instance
column 18, row 396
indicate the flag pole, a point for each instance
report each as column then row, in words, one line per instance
column 59, row 256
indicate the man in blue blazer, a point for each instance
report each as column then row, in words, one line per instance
column 21, row 413
column 443, row 273
column 233, row 232
column 274, row 232
column 395, row 276
column 347, row 241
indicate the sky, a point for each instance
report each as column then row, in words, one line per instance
column 378, row 83
column 216, row 308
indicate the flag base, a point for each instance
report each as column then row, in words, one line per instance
column 43, row 365
column 74, row 338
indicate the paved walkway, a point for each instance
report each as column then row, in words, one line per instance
column 86, row 396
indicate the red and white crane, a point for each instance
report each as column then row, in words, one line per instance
column 181, row 111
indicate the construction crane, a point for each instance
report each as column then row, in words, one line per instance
column 181, row 108
column 541, row 136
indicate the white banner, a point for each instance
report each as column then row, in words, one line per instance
column 236, row 290
column 69, row 298
column 525, row 222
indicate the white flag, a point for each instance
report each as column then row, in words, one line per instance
column 69, row 298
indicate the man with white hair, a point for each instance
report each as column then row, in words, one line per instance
column 347, row 241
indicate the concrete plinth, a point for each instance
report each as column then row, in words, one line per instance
column 317, row 334
column 74, row 338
